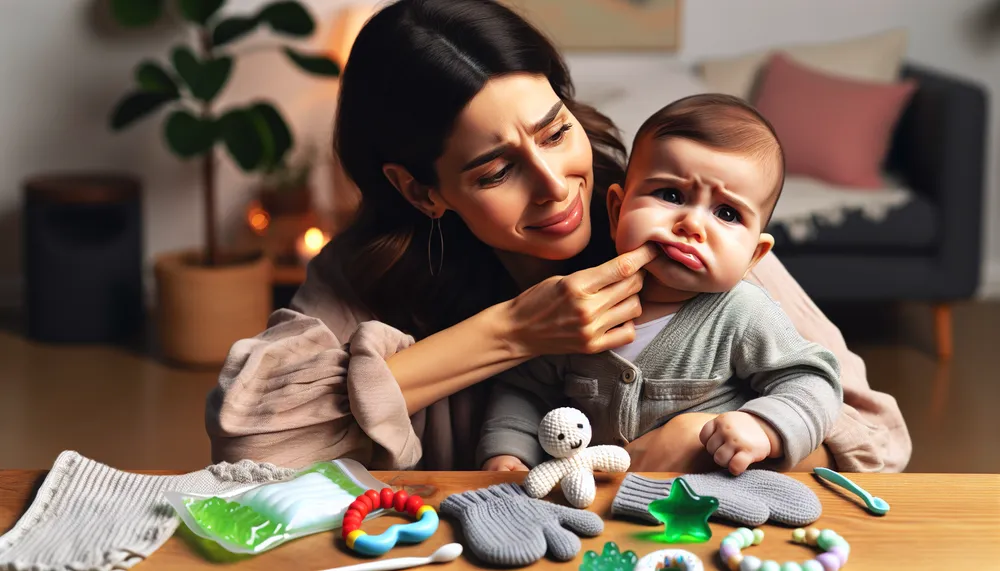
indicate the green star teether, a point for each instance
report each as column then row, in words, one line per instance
column 684, row 513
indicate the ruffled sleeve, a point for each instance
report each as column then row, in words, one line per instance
column 314, row 386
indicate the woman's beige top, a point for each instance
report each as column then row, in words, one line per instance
column 315, row 386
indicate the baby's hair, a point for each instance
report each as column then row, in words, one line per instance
column 724, row 123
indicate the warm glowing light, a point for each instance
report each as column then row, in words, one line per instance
column 310, row 243
column 314, row 239
column 258, row 218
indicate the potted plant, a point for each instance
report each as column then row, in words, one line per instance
column 285, row 189
column 209, row 299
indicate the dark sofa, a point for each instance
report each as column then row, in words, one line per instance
column 929, row 250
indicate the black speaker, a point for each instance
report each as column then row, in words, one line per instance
column 82, row 257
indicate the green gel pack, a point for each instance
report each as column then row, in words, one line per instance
column 263, row 516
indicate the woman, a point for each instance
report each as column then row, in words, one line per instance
column 483, row 235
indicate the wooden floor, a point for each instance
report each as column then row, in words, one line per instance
column 120, row 407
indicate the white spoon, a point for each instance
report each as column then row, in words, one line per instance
column 444, row 554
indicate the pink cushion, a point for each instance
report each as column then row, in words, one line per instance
column 831, row 128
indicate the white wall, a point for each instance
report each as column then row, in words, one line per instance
column 62, row 70
column 61, row 77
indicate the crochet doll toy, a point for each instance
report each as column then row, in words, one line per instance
column 564, row 434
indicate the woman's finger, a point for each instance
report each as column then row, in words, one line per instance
column 615, row 270
column 615, row 337
column 618, row 292
column 627, row 310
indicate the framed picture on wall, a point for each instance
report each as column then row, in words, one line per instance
column 605, row 25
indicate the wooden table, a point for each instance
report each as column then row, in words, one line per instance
column 936, row 522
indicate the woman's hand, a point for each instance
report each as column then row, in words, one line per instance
column 504, row 464
column 585, row 312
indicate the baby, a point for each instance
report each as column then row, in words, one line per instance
column 703, row 179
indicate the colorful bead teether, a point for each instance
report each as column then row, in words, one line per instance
column 358, row 540
column 668, row 559
column 834, row 556
column 684, row 514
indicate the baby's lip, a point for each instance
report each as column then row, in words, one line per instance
column 683, row 253
column 577, row 445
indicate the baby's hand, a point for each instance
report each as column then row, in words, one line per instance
column 504, row 464
column 737, row 439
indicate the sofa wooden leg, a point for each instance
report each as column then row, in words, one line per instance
column 942, row 330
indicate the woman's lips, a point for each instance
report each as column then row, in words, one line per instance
column 684, row 254
column 563, row 223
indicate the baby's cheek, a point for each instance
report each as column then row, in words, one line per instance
column 634, row 230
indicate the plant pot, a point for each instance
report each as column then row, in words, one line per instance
column 204, row 310
column 287, row 202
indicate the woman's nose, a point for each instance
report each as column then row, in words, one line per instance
column 549, row 184
column 691, row 225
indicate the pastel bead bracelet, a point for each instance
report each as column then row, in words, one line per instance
column 425, row 525
column 836, row 550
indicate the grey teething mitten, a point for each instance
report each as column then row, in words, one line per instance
column 503, row 526
column 87, row 515
column 751, row 498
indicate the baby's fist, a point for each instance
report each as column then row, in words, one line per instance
column 504, row 464
column 735, row 440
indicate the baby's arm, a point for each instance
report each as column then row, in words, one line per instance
column 798, row 382
column 519, row 400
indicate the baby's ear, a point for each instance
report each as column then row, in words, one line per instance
column 616, row 195
column 764, row 245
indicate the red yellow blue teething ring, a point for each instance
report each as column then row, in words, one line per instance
column 425, row 525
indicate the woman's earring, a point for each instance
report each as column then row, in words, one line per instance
column 435, row 224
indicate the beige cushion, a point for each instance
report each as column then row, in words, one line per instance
column 875, row 58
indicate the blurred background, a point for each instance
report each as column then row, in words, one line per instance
column 122, row 218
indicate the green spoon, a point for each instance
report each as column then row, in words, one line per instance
column 876, row 505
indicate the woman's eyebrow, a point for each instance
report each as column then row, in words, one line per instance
column 499, row 151
column 486, row 157
column 548, row 118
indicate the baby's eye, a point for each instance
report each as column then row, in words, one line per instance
column 727, row 214
column 562, row 437
column 671, row 195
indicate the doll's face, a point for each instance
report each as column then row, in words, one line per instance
column 704, row 208
column 564, row 432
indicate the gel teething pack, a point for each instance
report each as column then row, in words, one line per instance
column 264, row 516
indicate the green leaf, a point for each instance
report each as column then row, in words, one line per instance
column 275, row 134
column 242, row 138
column 204, row 79
column 151, row 77
column 187, row 135
column 288, row 17
column 214, row 75
column 136, row 105
column 187, row 66
column 232, row 29
column 136, row 13
column 314, row 64
column 199, row 11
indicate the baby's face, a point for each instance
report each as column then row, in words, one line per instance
column 704, row 208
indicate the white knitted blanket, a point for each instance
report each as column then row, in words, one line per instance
column 807, row 203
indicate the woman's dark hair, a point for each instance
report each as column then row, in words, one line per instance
column 413, row 68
